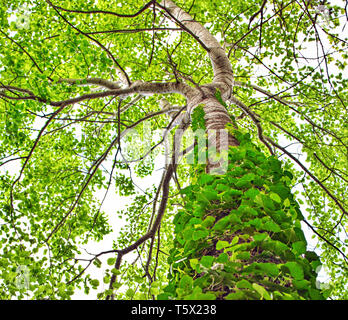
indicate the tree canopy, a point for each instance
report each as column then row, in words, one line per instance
column 84, row 85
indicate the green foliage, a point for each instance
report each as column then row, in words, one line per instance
column 197, row 121
column 252, row 244
column 55, row 172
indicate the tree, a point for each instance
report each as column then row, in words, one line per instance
column 80, row 79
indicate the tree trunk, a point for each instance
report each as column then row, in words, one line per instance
column 239, row 235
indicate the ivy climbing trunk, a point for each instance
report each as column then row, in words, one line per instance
column 216, row 120
column 239, row 235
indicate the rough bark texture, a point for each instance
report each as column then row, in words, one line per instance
column 223, row 74
column 216, row 120
column 216, row 115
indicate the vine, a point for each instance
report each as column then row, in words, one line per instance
column 239, row 235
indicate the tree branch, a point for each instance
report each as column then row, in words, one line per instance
column 314, row 178
column 255, row 118
column 120, row 15
column 93, row 81
column 223, row 74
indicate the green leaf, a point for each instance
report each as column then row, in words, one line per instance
column 261, row 291
column 238, row 295
column 244, row 284
column 260, row 236
column 106, row 279
column 208, row 222
column 203, row 199
column 287, row 202
column 221, row 244
column 270, row 269
column 222, row 258
column 222, row 187
column 229, row 195
column 111, row 261
column 243, row 255
column 210, row 195
column 186, row 282
column 311, row 256
column 256, row 223
column 206, row 179
column 267, row 202
column 252, row 193
column 299, row 247
column 187, row 234
column 207, row 261
column 199, row 234
column 193, row 263
column 115, row 271
column 206, row 296
column 271, row 226
column 95, row 282
column 187, row 190
column 243, row 184
column 107, row 292
column 97, row 263
column 116, row 285
column 275, row 197
column 295, row 270
column 219, row 98
column 234, row 240
column 130, row 293
column 222, row 224
column 302, row 284
column 315, row 294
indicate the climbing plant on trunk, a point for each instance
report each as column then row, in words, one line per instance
column 84, row 84
column 239, row 235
